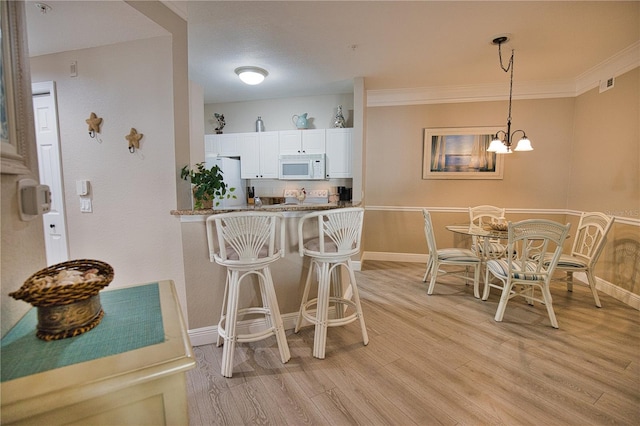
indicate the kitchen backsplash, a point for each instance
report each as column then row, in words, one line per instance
column 275, row 188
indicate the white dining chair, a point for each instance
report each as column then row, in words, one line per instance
column 448, row 256
column 335, row 237
column 524, row 269
column 247, row 243
column 588, row 244
column 487, row 248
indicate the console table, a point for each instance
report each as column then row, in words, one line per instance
column 130, row 369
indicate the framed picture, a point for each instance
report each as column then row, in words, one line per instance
column 460, row 153
column 16, row 123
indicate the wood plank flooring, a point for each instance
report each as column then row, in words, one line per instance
column 438, row 359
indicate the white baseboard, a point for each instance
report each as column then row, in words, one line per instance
column 625, row 296
column 395, row 257
column 208, row 335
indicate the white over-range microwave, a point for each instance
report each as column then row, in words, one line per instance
column 302, row 167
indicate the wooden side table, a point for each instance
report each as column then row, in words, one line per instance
column 130, row 369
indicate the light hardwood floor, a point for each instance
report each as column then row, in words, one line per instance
column 438, row 359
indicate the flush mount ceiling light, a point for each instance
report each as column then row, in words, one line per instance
column 251, row 75
column 504, row 146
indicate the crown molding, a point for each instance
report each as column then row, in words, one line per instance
column 618, row 64
column 179, row 7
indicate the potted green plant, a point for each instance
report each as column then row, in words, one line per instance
column 208, row 185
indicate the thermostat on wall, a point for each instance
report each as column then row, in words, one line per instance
column 34, row 199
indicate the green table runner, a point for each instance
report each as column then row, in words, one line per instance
column 132, row 320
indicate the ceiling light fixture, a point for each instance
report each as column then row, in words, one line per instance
column 251, row 75
column 503, row 146
column 43, row 8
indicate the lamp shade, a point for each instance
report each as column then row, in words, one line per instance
column 524, row 144
column 251, row 75
column 496, row 145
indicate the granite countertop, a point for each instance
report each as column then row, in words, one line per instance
column 266, row 207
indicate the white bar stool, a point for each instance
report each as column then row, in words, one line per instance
column 338, row 238
column 246, row 244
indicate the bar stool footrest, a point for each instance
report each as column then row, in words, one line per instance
column 248, row 337
column 331, row 322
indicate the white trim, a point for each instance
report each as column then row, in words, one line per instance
column 395, row 257
column 209, row 335
column 203, row 336
column 618, row 64
column 193, row 218
column 606, row 287
column 625, row 296
column 618, row 219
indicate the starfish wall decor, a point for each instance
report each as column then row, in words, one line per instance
column 134, row 140
column 94, row 124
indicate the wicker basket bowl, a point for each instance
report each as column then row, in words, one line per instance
column 499, row 225
column 67, row 297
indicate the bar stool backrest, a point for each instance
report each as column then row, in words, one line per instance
column 339, row 232
column 244, row 238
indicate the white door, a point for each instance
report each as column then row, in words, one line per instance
column 50, row 166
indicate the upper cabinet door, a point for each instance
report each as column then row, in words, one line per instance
column 290, row 141
column 224, row 145
column 339, row 145
column 310, row 141
column 258, row 155
column 268, row 155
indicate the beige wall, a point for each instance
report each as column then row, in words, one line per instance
column 394, row 152
column 569, row 171
column 605, row 162
column 605, row 173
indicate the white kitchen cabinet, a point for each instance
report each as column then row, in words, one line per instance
column 224, row 145
column 309, row 141
column 258, row 155
column 339, row 149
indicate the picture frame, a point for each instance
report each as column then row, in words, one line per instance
column 460, row 153
column 15, row 91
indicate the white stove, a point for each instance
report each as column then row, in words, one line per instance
column 314, row 196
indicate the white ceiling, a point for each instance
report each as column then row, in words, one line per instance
column 317, row 47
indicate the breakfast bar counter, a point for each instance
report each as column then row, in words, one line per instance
column 304, row 207
column 205, row 280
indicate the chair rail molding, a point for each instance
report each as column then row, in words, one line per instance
column 619, row 219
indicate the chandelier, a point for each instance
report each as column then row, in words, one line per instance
column 503, row 146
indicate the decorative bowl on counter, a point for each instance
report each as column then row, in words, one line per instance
column 66, row 296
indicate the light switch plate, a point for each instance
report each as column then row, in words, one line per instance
column 85, row 205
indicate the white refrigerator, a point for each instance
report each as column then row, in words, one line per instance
column 231, row 174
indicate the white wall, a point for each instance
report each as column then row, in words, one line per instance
column 277, row 113
column 128, row 85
